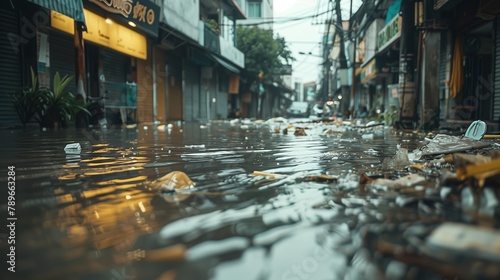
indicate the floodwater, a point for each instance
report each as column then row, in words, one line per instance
column 92, row 216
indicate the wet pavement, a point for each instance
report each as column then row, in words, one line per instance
column 93, row 215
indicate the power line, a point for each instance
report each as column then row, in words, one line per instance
column 305, row 42
column 284, row 21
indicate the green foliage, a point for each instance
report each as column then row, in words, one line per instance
column 47, row 106
column 212, row 24
column 26, row 100
column 262, row 52
column 390, row 116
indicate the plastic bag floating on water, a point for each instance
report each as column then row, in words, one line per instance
column 73, row 148
column 398, row 161
column 174, row 180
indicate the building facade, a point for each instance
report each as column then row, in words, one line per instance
column 271, row 99
column 154, row 61
column 435, row 61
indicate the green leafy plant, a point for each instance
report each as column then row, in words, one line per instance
column 264, row 53
column 49, row 107
column 212, row 24
column 390, row 116
column 27, row 100
column 58, row 105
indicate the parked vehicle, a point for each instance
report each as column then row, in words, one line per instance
column 298, row 109
column 97, row 111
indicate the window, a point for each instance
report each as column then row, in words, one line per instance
column 254, row 9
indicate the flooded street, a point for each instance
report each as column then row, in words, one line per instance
column 94, row 215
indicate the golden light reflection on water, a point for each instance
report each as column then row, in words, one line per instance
column 117, row 209
column 97, row 159
column 108, row 171
column 71, row 176
column 119, row 220
column 121, row 181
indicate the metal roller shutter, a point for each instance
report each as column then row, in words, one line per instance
column 496, row 54
column 115, row 66
column 191, row 96
column 10, row 67
column 222, row 97
column 175, row 90
column 62, row 58
column 174, row 66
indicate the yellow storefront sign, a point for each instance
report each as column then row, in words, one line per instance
column 368, row 72
column 111, row 35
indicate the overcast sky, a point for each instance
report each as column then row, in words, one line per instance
column 304, row 35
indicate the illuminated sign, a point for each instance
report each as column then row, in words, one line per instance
column 389, row 33
column 111, row 35
column 143, row 13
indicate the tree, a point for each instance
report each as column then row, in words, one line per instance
column 263, row 53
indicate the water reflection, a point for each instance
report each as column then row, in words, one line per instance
column 91, row 216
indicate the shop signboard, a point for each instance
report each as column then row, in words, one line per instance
column 143, row 14
column 377, row 67
column 108, row 34
column 389, row 33
column 368, row 72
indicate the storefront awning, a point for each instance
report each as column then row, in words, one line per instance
column 225, row 64
column 70, row 8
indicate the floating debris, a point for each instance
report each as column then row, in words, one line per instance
column 300, row 132
column 174, row 180
column 447, row 144
column 473, row 241
column 73, row 148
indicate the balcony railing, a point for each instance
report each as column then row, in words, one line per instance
column 211, row 41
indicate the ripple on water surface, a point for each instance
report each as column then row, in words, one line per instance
column 92, row 216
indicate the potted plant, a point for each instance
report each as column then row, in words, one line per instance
column 49, row 107
column 27, row 100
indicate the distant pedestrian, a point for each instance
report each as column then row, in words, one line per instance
column 364, row 112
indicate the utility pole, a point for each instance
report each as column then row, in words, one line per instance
column 341, row 58
column 353, row 81
column 340, row 31
column 327, row 64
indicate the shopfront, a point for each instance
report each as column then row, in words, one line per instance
column 25, row 45
column 117, row 56
column 377, row 77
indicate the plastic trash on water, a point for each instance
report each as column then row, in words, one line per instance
column 476, row 130
column 401, row 157
column 367, row 136
column 415, row 155
column 399, row 161
column 466, row 240
column 445, row 144
column 73, row 148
